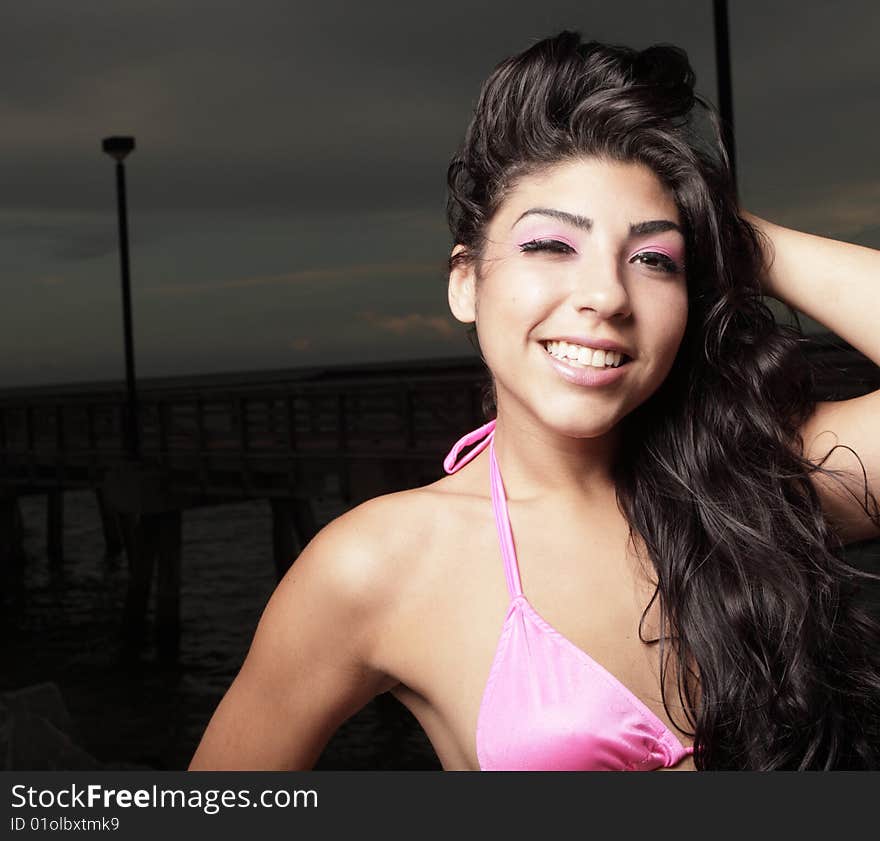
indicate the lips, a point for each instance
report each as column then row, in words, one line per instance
column 586, row 375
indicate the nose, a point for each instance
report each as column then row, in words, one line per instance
column 600, row 287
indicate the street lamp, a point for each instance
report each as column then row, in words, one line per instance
column 725, row 85
column 118, row 148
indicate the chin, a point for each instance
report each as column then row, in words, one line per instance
column 579, row 425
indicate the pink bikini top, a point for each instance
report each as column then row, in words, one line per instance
column 547, row 705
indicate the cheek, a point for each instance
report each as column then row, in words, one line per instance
column 677, row 310
column 663, row 315
column 672, row 333
column 681, row 308
column 516, row 303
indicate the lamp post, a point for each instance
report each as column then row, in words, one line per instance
column 118, row 148
column 725, row 85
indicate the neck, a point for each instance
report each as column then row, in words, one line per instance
column 541, row 463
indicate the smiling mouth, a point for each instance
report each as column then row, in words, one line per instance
column 594, row 358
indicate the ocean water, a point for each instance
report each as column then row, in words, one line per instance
column 62, row 626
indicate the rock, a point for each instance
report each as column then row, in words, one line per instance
column 37, row 733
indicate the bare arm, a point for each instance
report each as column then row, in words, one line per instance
column 837, row 284
column 308, row 668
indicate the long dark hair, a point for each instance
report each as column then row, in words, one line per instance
column 753, row 586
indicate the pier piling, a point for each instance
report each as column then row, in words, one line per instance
column 112, row 528
column 11, row 532
column 55, row 527
column 169, row 527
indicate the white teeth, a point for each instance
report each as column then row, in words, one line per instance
column 579, row 355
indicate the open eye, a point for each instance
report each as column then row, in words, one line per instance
column 658, row 262
column 553, row 245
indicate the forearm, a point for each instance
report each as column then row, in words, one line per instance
column 836, row 283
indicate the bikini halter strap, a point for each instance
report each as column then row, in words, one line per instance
column 485, row 432
column 499, row 501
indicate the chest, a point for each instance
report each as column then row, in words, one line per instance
column 583, row 579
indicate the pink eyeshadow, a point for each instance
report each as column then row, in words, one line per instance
column 543, row 233
column 674, row 254
column 537, row 232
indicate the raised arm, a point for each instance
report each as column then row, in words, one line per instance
column 309, row 665
column 837, row 284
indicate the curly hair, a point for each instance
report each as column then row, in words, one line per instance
column 753, row 586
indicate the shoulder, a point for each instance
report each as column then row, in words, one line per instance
column 371, row 543
column 330, row 611
column 371, row 554
column 381, row 545
column 373, row 565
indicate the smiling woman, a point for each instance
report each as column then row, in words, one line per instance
column 659, row 505
column 582, row 207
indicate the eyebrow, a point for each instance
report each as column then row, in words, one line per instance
column 655, row 226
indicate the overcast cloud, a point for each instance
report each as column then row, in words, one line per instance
column 286, row 196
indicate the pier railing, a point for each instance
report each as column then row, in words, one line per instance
column 240, row 441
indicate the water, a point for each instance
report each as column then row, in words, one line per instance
column 63, row 626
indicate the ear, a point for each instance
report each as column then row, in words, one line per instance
column 463, row 290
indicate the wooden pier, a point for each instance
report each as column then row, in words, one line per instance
column 295, row 438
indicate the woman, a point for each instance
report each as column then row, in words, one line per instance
column 671, row 517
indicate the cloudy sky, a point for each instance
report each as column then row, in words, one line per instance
column 286, row 197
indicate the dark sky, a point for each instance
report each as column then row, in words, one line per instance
column 286, row 197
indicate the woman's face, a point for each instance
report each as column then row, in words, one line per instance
column 562, row 261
